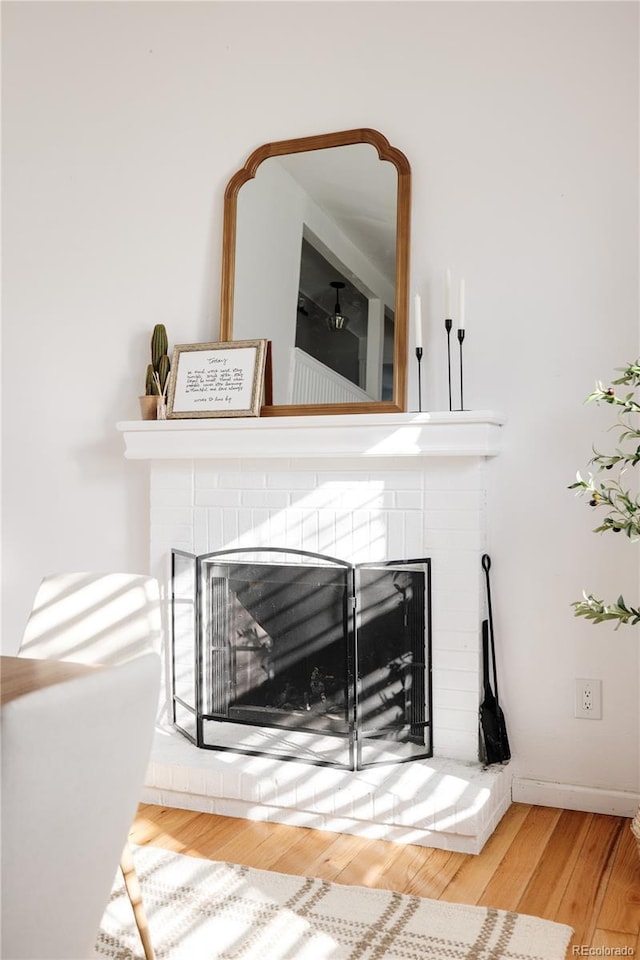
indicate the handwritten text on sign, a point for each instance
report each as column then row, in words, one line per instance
column 215, row 380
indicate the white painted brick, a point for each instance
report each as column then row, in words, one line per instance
column 458, row 566
column 200, row 534
column 215, row 497
column 395, row 535
column 241, row 480
column 171, row 474
column 342, row 477
column 456, row 640
column 455, row 700
column 300, row 480
column 230, row 529
column 206, row 474
column 326, row 532
column 232, row 785
column 414, row 535
column 247, row 527
column 273, row 499
column 466, row 660
column 196, row 781
column 214, row 783
column 409, row 500
column 464, row 596
column 447, row 718
column 170, row 497
column 165, row 514
column 164, row 537
column 287, row 529
column 309, row 531
column 398, row 480
column 456, row 620
column 455, row 744
column 455, row 679
column 179, row 779
column 215, row 534
column 453, row 474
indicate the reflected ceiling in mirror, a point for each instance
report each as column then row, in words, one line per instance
column 315, row 260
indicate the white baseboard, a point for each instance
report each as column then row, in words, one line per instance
column 569, row 796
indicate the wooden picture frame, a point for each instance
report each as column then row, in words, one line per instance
column 225, row 379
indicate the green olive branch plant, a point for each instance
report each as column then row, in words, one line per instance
column 608, row 490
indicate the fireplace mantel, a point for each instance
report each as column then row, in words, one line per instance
column 450, row 434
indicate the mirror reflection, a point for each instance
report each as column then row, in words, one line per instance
column 314, row 262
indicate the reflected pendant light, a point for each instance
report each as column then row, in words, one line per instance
column 337, row 321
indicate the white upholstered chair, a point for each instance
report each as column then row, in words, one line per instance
column 73, row 761
column 98, row 618
column 103, row 618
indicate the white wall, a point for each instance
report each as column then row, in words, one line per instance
column 123, row 123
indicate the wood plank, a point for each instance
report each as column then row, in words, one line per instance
column 238, row 843
column 621, row 904
column 612, row 944
column 401, row 870
column 369, row 866
column 161, row 827
column 187, row 831
column 581, row 903
column 300, row 858
column 330, row 863
column 256, row 844
column 436, row 869
column 507, row 886
column 469, row 883
column 548, row 885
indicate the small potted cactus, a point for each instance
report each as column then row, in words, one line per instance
column 153, row 403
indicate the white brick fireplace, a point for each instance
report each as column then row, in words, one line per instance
column 360, row 488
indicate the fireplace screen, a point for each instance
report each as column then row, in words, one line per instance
column 299, row 656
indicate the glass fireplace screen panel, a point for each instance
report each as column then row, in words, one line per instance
column 274, row 650
column 393, row 656
column 184, row 631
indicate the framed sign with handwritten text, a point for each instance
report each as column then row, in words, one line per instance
column 217, row 379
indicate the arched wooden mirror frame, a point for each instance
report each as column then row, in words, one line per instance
column 403, row 216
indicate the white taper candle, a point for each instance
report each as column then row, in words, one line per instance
column 417, row 317
column 447, row 295
column 461, row 320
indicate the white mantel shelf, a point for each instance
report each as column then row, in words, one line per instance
column 449, row 434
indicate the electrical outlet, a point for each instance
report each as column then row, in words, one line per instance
column 588, row 702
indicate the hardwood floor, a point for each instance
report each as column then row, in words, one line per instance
column 582, row 869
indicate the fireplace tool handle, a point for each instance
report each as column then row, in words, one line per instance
column 493, row 724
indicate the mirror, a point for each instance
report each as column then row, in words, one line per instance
column 315, row 260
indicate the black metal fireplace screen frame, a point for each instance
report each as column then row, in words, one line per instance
column 347, row 735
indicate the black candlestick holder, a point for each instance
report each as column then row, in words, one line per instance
column 460, row 342
column 419, row 359
column 447, row 325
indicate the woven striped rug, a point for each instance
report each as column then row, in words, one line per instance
column 199, row 910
